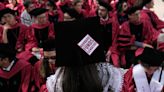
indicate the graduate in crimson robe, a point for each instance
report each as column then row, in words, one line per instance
column 109, row 25
column 120, row 13
column 148, row 75
column 54, row 14
column 14, row 5
column 14, row 33
column 15, row 74
column 133, row 34
column 41, row 30
column 148, row 14
column 44, row 68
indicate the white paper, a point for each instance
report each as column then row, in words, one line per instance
column 88, row 44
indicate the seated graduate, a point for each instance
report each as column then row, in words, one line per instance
column 148, row 75
column 41, row 30
column 15, row 74
column 80, row 60
column 46, row 67
column 12, row 32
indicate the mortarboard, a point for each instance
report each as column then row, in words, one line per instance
column 151, row 57
column 49, row 45
column 106, row 5
column 6, row 51
column 37, row 11
column 5, row 11
column 79, row 42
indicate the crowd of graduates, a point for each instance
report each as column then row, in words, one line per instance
column 133, row 46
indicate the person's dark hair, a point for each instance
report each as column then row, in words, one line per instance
column 7, row 52
column 52, row 4
column 145, row 65
column 45, row 70
column 75, row 2
column 119, row 5
column 81, row 79
column 27, row 3
column 132, row 10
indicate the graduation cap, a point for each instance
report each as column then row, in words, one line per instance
column 5, row 11
column 49, row 45
column 6, row 51
column 37, row 11
column 79, row 42
column 152, row 57
column 106, row 5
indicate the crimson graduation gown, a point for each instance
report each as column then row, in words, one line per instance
column 17, row 79
column 38, row 34
column 128, row 34
column 153, row 18
column 40, row 82
column 16, row 35
column 129, row 84
column 110, row 31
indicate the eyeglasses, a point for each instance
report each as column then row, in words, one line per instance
column 52, row 58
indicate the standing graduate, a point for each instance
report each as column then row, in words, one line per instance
column 15, row 74
column 109, row 25
column 41, row 30
column 148, row 75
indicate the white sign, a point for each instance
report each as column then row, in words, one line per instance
column 88, row 44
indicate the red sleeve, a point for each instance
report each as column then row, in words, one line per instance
column 31, row 40
column 61, row 15
column 159, row 23
column 128, row 84
column 150, row 34
column 26, row 78
column 20, row 41
column 115, row 32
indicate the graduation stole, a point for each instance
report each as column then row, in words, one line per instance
column 141, row 81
